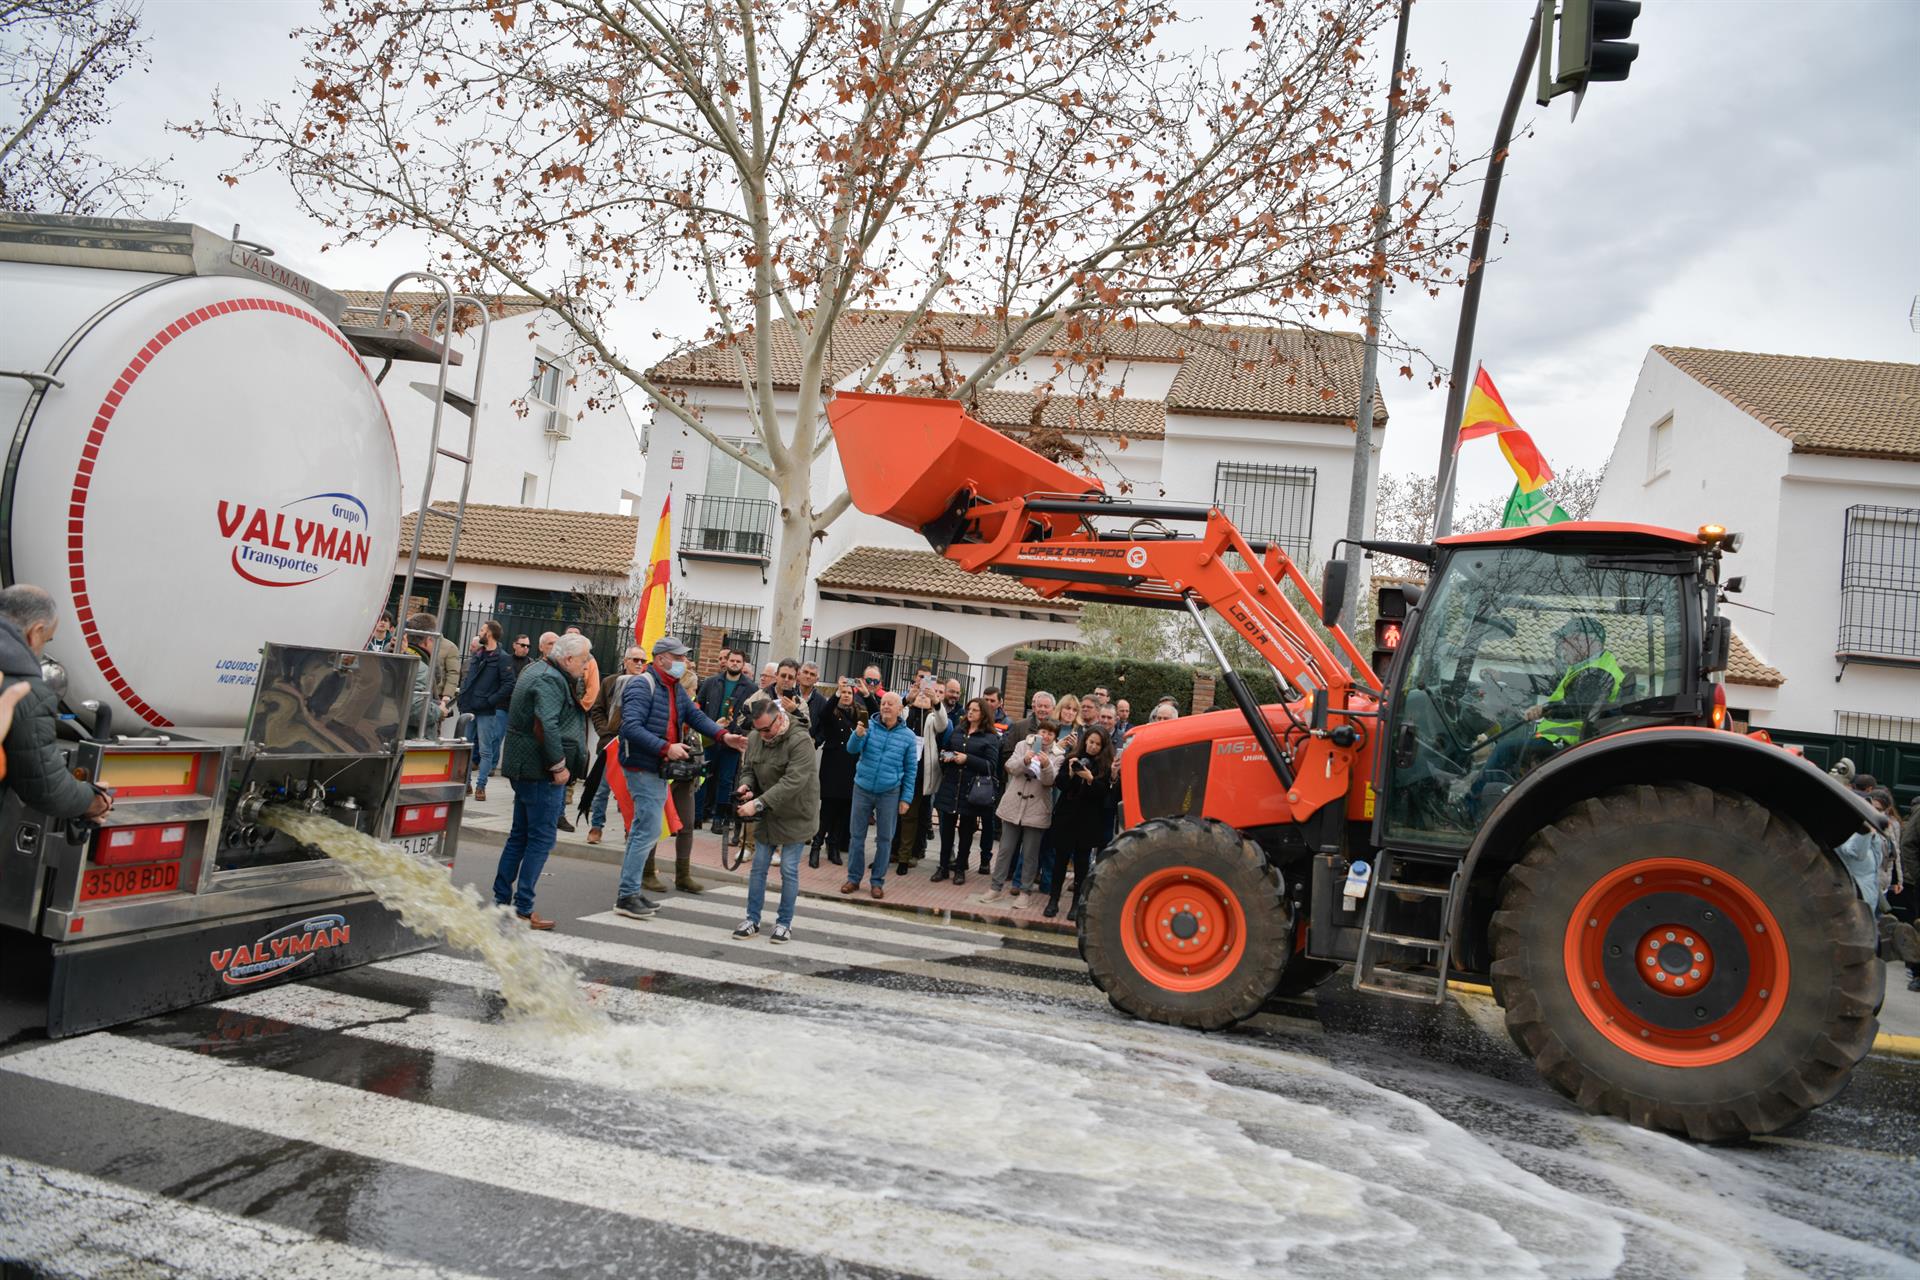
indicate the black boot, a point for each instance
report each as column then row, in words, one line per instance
column 1052, row 908
column 960, row 873
column 813, row 856
column 939, row 874
column 833, row 856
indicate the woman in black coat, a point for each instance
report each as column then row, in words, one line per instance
column 971, row 752
column 836, row 770
column 1080, row 814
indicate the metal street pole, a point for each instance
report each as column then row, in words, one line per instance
column 1361, row 490
column 1476, row 272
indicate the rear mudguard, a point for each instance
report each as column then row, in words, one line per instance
column 1777, row 779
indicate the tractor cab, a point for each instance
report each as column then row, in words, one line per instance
column 1530, row 642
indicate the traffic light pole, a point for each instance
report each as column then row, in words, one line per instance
column 1476, row 273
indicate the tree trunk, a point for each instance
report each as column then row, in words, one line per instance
column 790, row 569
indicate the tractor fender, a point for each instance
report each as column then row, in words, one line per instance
column 1778, row 780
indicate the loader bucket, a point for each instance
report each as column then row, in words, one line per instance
column 906, row 457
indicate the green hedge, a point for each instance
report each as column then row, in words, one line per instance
column 1075, row 671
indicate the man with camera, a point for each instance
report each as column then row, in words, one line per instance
column 780, row 793
column 654, row 712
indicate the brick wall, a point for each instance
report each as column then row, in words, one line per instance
column 706, row 659
column 1013, row 695
column 1202, row 693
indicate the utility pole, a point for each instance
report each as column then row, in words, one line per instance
column 1360, row 492
column 1476, row 272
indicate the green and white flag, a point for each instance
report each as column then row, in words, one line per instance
column 1531, row 509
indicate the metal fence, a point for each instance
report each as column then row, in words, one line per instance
column 895, row 668
column 610, row 639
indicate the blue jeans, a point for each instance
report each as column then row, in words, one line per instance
column 600, row 798
column 491, row 726
column 789, row 879
column 883, row 811
column 536, row 828
column 723, row 763
column 649, row 791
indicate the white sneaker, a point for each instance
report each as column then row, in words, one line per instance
column 776, row 859
column 1019, row 900
column 993, row 895
column 747, row 929
column 782, row 934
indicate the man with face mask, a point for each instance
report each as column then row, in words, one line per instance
column 655, row 712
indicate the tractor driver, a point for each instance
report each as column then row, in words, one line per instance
column 1592, row 679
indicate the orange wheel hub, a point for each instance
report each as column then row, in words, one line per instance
column 1677, row 962
column 1183, row 929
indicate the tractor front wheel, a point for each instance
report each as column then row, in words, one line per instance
column 1686, row 960
column 1184, row 924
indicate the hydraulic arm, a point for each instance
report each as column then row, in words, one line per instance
column 991, row 505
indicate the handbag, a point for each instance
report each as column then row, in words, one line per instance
column 980, row 791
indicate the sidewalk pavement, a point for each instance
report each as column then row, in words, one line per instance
column 490, row 820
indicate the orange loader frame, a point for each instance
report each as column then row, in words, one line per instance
column 990, row 504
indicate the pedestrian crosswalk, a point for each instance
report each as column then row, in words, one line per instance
column 886, row 1096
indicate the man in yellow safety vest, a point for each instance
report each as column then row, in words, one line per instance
column 1593, row 679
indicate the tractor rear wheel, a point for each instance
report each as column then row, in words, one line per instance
column 1184, row 924
column 1686, row 960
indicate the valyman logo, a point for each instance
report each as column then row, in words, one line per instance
column 297, row 542
column 275, row 953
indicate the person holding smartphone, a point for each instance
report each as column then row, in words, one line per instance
column 1080, row 817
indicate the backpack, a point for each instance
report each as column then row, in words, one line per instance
column 606, row 712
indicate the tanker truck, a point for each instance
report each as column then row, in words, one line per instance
column 201, row 472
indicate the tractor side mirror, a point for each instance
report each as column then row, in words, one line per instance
column 1719, row 645
column 1333, row 590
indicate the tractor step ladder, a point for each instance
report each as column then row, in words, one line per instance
column 1403, row 885
column 443, row 397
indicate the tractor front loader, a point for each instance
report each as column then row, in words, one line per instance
column 1540, row 794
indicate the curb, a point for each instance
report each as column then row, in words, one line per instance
column 610, row 855
column 1886, row 1043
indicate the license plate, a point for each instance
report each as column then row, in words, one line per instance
column 427, row 846
column 125, row 882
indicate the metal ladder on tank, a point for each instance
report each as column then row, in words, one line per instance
column 443, row 398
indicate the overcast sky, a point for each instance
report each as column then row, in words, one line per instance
column 1753, row 186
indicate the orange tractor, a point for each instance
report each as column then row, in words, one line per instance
column 1537, row 792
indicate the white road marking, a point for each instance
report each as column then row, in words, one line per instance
column 858, row 1227
column 70, row 1224
column 1072, row 987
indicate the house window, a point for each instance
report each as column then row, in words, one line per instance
column 1869, row 724
column 1660, row 449
column 547, row 396
column 1880, row 584
column 1269, row 503
column 727, row 478
column 529, row 488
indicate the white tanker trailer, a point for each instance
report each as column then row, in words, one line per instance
column 200, row 470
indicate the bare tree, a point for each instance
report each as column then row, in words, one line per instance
column 59, row 59
column 1405, row 503
column 1045, row 166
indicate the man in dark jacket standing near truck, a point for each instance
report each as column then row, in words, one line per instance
column 546, row 745
column 35, row 769
column 780, row 791
column 721, row 697
column 485, row 691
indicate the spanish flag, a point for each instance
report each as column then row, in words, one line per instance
column 1487, row 415
column 648, row 626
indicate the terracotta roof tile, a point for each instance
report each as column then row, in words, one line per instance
column 591, row 544
column 1856, row 408
column 1745, row 667
column 892, row 571
column 419, row 306
column 1294, row 373
column 1144, row 419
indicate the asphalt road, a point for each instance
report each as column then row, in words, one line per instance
column 886, row 1096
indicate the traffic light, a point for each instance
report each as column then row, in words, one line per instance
column 1389, row 625
column 1593, row 46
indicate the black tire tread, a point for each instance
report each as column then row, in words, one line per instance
column 1767, row 1105
column 1233, row 1001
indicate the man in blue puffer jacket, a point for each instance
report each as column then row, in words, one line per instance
column 655, row 711
column 883, row 787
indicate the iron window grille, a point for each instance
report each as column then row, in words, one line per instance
column 1270, row 503
column 687, row 617
column 1868, row 724
column 1880, row 585
column 732, row 528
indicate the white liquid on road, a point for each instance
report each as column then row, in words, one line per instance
column 538, row 985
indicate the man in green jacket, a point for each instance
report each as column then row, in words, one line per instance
column 546, row 745
column 36, row 768
column 780, row 790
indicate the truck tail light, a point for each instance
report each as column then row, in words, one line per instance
column 419, row 819
column 124, row 846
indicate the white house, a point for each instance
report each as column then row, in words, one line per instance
column 1255, row 420
column 539, row 443
column 1816, row 463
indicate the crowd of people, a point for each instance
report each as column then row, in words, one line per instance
column 870, row 778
